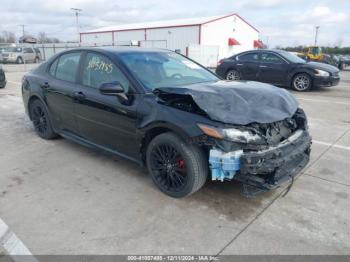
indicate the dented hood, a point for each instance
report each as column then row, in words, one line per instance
column 239, row 102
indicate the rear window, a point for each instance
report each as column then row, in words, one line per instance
column 250, row 57
column 67, row 67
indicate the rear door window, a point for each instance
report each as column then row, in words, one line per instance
column 250, row 57
column 67, row 67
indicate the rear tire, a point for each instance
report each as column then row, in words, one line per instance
column 302, row 82
column 233, row 75
column 41, row 120
column 177, row 168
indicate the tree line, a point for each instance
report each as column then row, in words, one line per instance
column 326, row 49
column 8, row 37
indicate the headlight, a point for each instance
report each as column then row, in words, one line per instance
column 322, row 73
column 232, row 134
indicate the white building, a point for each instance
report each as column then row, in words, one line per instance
column 205, row 39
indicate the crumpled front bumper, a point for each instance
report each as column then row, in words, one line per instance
column 270, row 168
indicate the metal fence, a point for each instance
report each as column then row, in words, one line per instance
column 50, row 49
column 207, row 55
column 47, row 51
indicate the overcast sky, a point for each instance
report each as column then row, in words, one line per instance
column 283, row 22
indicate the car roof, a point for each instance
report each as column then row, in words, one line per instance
column 264, row 50
column 119, row 50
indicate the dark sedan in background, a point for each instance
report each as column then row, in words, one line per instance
column 278, row 67
column 2, row 78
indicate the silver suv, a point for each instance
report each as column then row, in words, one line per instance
column 20, row 55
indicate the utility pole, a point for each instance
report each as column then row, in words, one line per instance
column 22, row 29
column 316, row 34
column 77, row 11
column 267, row 42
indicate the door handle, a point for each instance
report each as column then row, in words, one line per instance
column 79, row 96
column 239, row 64
column 45, row 85
column 262, row 66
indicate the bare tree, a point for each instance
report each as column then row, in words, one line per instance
column 8, row 37
column 43, row 38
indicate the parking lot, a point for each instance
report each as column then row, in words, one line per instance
column 61, row 198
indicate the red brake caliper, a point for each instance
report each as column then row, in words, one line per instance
column 181, row 163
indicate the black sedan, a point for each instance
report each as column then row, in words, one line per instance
column 2, row 78
column 278, row 67
column 174, row 116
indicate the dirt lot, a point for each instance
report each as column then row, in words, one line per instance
column 62, row 198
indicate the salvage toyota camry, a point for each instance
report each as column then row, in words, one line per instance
column 168, row 113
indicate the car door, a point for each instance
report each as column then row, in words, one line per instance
column 59, row 89
column 273, row 69
column 248, row 65
column 107, row 120
column 28, row 54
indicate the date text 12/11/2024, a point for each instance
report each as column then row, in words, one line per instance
column 173, row 258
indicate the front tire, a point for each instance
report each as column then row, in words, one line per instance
column 19, row 60
column 176, row 167
column 302, row 82
column 233, row 75
column 41, row 120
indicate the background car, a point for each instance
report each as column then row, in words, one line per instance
column 2, row 78
column 278, row 67
column 20, row 55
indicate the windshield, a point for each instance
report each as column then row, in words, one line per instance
column 13, row 49
column 292, row 57
column 165, row 69
column 316, row 50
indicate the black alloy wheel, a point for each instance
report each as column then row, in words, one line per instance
column 177, row 168
column 169, row 167
column 41, row 121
